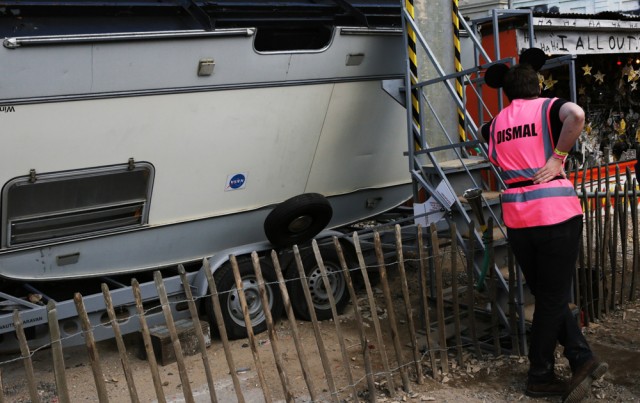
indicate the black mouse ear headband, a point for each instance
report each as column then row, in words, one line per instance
column 494, row 76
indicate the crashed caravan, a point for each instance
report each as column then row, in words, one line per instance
column 136, row 135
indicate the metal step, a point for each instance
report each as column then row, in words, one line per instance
column 457, row 165
column 492, row 197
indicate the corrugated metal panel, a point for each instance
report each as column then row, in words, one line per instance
column 579, row 6
column 91, row 15
column 45, row 17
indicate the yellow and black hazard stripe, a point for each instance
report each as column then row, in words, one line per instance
column 458, row 66
column 413, row 72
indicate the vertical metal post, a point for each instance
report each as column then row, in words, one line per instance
column 496, row 49
column 414, row 130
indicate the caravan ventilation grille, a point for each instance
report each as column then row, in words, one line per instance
column 63, row 225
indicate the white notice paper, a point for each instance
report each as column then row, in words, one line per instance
column 432, row 211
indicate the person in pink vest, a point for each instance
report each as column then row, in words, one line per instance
column 529, row 141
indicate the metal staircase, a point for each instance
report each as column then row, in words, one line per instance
column 470, row 168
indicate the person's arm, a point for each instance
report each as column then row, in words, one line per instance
column 572, row 118
column 485, row 131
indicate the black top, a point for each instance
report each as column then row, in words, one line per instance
column 554, row 115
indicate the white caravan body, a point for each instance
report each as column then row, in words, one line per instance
column 130, row 150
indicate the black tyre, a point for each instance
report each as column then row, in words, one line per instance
column 297, row 220
column 319, row 294
column 232, row 313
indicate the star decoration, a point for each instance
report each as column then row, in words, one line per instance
column 540, row 80
column 634, row 86
column 549, row 82
column 582, row 90
column 599, row 77
column 587, row 70
column 632, row 75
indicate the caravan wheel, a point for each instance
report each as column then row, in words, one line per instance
column 319, row 293
column 298, row 219
column 231, row 307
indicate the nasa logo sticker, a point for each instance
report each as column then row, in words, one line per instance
column 236, row 181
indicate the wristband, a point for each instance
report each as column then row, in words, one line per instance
column 560, row 153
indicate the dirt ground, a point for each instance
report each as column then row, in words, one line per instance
column 616, row 339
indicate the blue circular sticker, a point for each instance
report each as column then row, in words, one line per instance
column 237, row 181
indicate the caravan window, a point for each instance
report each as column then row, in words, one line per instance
column 281, row 39
column 50, row 207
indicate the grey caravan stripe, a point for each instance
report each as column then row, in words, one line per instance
column 565, row 191
column 190, row 89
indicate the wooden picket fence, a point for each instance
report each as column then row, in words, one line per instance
column 428, row 354
column 416, row 336
column 608, row 266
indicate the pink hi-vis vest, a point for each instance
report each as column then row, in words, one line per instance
column 520, row 144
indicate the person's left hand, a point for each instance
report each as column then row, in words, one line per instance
column 554, row 167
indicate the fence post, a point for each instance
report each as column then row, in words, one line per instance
column 407, row 305
column 1, row 388
column 306, row 371
column 336, row 319
column 588, row 291
column 454, row 291
column 391, row 312
column 92, row 349
column 425, row 304
column 471, row 289
column 148, row 346
column 495, row 324
column 199, row 335
column 168, row 317
column 636, row 242
column 435, row 242
column 598, row 243
column 122, row 351
column 273, row 337
column 374, row 317
column 624, row 240
column 56, row 353
column 613, row 252
column 250, row 334
column 606, row 245
column 515, row 343
column 326, row 365
column 364, row 345
column 222, row 331
column 26, row 357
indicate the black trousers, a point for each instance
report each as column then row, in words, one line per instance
column 547, row 256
